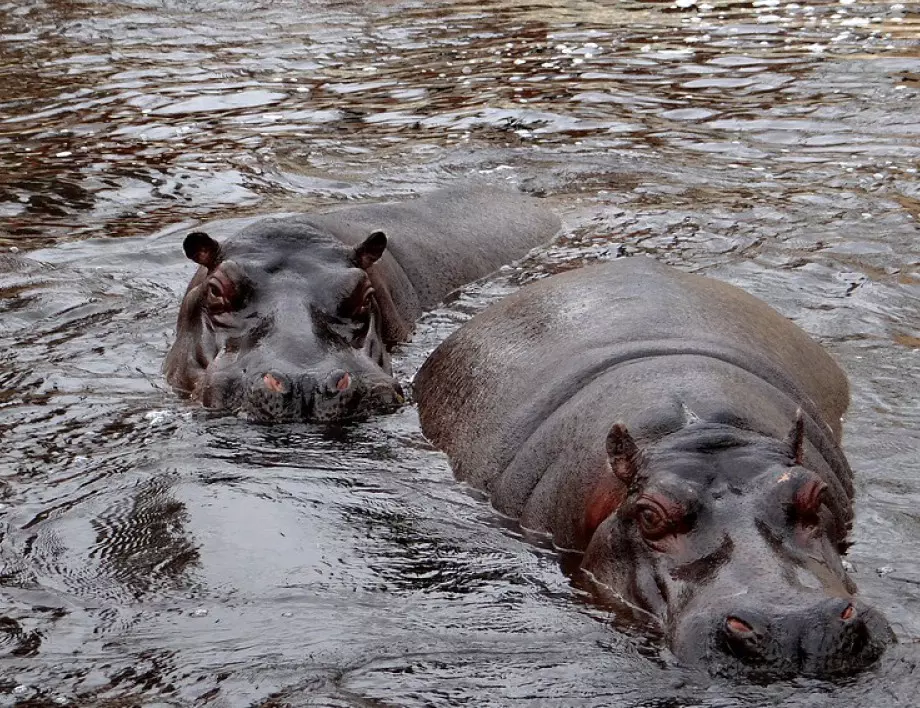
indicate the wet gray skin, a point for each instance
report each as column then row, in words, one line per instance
column 284, row 324
column 294, row 318
column 154, row 556
column 737, row 551
column 685, row 437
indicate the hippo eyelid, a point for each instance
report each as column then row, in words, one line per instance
column 659, row 517
column 808, row 500
column 357, row 304
column 222, row 290
column 667, row 506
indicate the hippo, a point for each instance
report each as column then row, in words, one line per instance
column 684, row 439
column 294, row 318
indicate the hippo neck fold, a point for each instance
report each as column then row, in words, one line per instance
column 594, row 365
column 559, row 442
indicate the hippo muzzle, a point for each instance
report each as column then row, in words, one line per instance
column 339, row 395
column 830, row 637
column 272, row 394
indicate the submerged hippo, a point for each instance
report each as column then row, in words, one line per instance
column 294, row 318
column 682, row 435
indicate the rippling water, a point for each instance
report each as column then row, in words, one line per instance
column 152, row 554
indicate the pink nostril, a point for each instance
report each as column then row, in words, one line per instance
column 273, row 384
column 737, row 626
column 337, row 382
column 848, row 614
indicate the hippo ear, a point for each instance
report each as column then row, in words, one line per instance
column 623, row 454
column 369, row 252
column 202, row 249
column 610, row 491
column 796, row 438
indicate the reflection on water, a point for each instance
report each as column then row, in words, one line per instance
column 152, row 553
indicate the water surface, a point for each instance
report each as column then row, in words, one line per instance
column 153, row 554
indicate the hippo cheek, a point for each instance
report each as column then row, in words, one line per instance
column 622, row 575
column 221, row 389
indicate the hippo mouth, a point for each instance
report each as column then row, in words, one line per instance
column 274, row 397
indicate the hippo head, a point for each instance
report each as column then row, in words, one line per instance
column 735, row 548
column 281, row 322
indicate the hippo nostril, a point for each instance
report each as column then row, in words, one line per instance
column 848, row 614
column 275, row 383
column 743, row 639
column 739, row 627
column 337, row 382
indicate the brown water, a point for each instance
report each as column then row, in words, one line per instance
column 153, row 555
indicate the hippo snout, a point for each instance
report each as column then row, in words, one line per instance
column 832, row 636
column 336, row 395
column 342, row 395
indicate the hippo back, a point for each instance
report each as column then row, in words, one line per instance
column 449, row 237
column 629, row 340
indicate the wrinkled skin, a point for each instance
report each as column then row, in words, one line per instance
column 685, row 438
column 294, row 318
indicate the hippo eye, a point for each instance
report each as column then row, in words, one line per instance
column 365, row 308
column 808, row 500
column 358, row 305
column 653, row 522
column 218, row 295
column 659, row 518
column 215, row 293
column 363, row 317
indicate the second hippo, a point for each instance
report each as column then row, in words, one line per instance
column 685, row 438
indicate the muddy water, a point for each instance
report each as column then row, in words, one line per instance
column 151, row 554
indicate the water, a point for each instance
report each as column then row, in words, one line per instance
column 152, row 554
